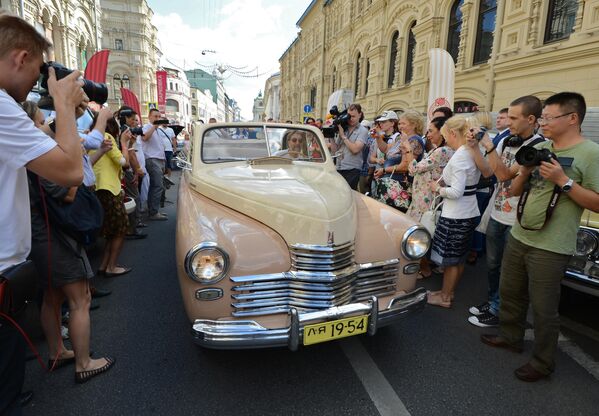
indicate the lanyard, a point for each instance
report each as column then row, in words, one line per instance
column 557, row 192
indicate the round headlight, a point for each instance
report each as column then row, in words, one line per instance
column 206, row 263
column 586, row 242
column 416, row 242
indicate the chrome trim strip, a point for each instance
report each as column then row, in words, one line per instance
column 582, row 277
column 194, row 250
column 321, row 248
column 233, row 334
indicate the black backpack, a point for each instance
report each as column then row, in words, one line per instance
column 81, row 219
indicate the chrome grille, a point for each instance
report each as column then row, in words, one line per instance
column 320, row 278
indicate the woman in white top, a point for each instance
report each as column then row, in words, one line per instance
column 453, row 234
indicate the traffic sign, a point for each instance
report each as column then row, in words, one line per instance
column 307, row 108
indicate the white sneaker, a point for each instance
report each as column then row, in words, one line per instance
column 480, row 309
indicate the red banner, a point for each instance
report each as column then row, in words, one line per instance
column 95, row 69
column 130, row 99
column 161, row 90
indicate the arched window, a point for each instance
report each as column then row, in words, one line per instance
column 367, row 75
column 560, row 19
column 116, row 85
column 392, row 59
column 465, row 107
column 194, row 111
column 487, row 13
column 125, row 82
column 455, row 28
column 357, row 80
column 410, row 54
column 333, row 79
column 172, row 106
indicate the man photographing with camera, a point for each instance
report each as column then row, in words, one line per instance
column 555, row 191
column 23, row 146
column 153, row 150
column 352, row 138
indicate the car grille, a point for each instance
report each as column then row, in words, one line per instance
column 320, row 277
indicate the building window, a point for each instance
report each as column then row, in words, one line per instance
column 392, row 59
column 193, row 95
column 172, row 106
column 455, row 28
column 116, row 86
column 465, row 107
column 560, row 19
column 357, row 81
column 313, row 97
column 367, row 75
column 125, row 82
column 194, row 111
column 487, row 13
column 118, row 44
column 410, row 54
column 170, row 86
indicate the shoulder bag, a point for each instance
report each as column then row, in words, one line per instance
column 431, row 217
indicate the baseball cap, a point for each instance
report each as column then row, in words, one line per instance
column 388, row 115
column 366, row 123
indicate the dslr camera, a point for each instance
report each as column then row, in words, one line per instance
column 123, row 114
column 479, row 136
column 339, row 119
column 95, row 91
column 530, row 156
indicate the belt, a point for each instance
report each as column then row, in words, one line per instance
column 470, row 190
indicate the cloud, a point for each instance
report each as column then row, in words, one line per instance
column 249, row 34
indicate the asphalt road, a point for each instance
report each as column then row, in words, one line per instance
column 430, row 364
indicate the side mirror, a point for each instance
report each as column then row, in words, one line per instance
column 182, row 164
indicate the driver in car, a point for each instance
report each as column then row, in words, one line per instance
column 294, row 145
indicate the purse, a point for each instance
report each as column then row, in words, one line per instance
column 431, row 217
column 18, row 285
column 394, row 193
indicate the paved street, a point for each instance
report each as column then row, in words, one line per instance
column 432, row 364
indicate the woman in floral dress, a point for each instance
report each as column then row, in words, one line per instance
column 427, row 170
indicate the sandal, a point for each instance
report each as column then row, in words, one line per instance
column 61, row 362
column 124, row 271
column 86, row 375
column 436, row 299
column 423, row 276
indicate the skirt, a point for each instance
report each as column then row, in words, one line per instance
column 116, row 221
column 452, row 240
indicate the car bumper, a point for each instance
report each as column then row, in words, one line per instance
column 581, row 281
column 242, row 334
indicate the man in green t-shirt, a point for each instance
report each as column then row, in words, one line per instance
column 540, row 244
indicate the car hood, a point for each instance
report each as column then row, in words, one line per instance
column 305, row 204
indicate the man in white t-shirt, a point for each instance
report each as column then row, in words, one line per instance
column 522, row 121
column 23, row 146
column 153, row 149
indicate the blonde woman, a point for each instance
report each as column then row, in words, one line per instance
column 453, row 234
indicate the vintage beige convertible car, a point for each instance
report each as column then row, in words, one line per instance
column 582, row 273
column 274, row 248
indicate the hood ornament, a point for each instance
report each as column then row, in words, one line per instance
column 331, row 238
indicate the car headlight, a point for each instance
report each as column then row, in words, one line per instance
column 416, row 242
column 586, row 242
column 207, row 263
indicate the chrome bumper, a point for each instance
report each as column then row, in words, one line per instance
column 249, row 334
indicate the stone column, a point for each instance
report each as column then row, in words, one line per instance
column 466, row 10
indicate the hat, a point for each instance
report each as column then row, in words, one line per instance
column 366, row 123
column 388, row 115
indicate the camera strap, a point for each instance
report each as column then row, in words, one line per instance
column 557, row 192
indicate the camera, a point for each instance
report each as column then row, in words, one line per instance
column 530, row 156
column 162, row 121
column 479, row 136
column 123, row 114
column 95, row 91
column 339, row 119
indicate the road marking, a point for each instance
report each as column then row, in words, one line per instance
column 573, row 351
column 378, row 388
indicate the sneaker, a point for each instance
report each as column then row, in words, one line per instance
column 158, row 217
column 64, row 332
column 486, row 320
column 480, row 309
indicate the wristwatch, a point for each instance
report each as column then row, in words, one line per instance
column 567, row 187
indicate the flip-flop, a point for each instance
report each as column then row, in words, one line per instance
column 83, row 376
column 125, row 271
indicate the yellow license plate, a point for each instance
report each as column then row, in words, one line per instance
column 341, row 328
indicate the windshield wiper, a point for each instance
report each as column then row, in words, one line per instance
column 224, row 159
column 271, row 160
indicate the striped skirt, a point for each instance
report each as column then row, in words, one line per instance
column 452, row 240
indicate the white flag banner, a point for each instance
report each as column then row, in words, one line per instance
column 442, row 80
column 341, row 98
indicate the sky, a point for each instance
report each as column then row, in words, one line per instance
column 244, row 34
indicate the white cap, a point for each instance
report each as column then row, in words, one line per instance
column 388, row 115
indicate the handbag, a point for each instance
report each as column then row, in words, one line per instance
column 484, row 219
column 431, row 217
column 18, row 285
column 396, row 194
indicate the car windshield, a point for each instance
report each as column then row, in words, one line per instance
column 251, row 142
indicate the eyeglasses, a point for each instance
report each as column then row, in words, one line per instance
column 545, row 120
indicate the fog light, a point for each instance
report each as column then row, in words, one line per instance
column 411, row 268
column 212, row 293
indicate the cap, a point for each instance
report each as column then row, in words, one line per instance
column 388, row 115
column 366, row 123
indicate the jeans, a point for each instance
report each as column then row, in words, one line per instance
column 155, row 169
column 530, row 274
column 497, row 234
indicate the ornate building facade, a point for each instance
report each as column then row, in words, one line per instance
column 134, row 50
column 272, row 97
column 178, row 97
column 379, row 49
column 73, row 27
